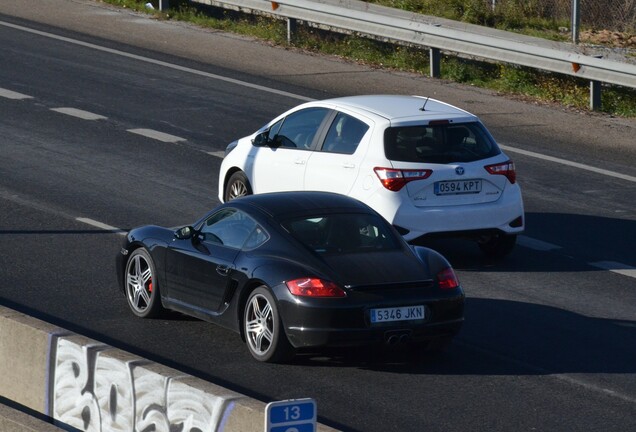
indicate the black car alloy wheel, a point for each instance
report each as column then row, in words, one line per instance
column 142, row 290
column 266, row 339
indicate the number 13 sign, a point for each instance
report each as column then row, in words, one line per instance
column 293, row 415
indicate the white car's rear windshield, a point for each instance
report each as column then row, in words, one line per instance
column 440, row 143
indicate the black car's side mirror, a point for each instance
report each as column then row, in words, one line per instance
column 184, row 233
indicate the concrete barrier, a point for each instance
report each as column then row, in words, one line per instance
column 13, row 420
column 90, row 386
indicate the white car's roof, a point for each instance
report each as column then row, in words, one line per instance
column 398, row 108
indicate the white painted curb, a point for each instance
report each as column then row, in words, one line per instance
column 94, row 387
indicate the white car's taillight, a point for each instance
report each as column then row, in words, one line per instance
column 395, row 179
column 506, row 168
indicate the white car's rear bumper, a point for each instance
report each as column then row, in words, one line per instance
column 419, row 221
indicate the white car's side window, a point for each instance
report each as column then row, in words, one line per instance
column 299, row 128
column 344, row 135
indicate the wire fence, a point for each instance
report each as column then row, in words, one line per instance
column 614, row 15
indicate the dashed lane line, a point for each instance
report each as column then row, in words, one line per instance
column 101, row 225
column 571, row 379
column 613, row 266
column 160, row 136
column 81, row 114
column 616, row 267
column 523, row 241
column 157, row 62
column 52, row 210
column 569, row 163
column 535, row 244
column 220, row 154
column 13, row 95
column 283, row 93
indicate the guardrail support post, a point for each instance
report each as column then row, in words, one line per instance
column 595, row 95
column 435, row 59
column 292, row 24
column 576, row 20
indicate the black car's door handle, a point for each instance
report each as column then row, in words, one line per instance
column 223, row 270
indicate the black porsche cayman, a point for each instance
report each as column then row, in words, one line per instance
column 292, row 270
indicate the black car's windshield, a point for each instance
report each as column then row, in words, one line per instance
column 439, row 143
column 342, row 233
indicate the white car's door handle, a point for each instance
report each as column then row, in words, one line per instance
column 349, row 165
column 299, row 161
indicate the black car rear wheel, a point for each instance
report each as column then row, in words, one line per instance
column 266, row 339
column 142, row 289
column 237, row 186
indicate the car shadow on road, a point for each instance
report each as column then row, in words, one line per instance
column 502, row 337
column 553, row 242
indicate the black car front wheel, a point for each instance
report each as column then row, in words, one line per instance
column 266, row 339
column 237, row 186
column 142, row 289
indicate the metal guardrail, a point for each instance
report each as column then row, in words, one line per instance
column 445, row 35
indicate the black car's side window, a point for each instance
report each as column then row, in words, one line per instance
column 299, row 128
column 257, row 238
column 228, row 227
column 344, row 135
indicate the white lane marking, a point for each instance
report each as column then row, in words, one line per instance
column 158, row 62
column 101, row 225
column 535, row 244
column 13, row 95
column 524, row 241
column 569, row 163
column 559, row 376
column 284, row 93
column 150, row 133
column 74, row 112
column 219, row 154
column 41, row 207
column 616, row 267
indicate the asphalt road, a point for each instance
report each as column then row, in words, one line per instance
column 550, row 336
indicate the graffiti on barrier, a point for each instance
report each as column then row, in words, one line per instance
column 96, row 392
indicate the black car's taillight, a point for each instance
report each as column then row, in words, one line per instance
column 314, row 287
column 447, row 279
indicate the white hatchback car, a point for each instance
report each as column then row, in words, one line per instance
column 428, row 167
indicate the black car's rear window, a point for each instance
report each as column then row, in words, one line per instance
column 441, row 143
column 342, row 233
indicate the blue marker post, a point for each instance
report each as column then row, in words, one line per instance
column 293, row 415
